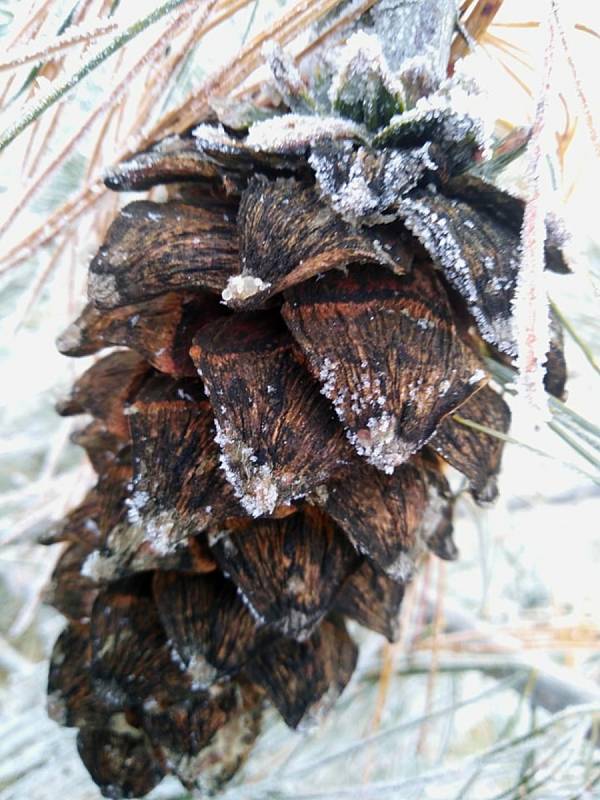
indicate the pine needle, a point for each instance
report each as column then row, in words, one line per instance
column 570, row 328
column 30, row 114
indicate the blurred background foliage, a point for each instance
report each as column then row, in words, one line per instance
column 493, row 690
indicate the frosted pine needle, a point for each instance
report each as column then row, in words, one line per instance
column 530, row 305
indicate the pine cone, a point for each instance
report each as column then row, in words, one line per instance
column 301, row 319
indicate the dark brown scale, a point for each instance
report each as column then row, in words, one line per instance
column 121, row 762
column 373, row 599
column 477, row 455
column 287, row 570
column 303, row 679
column 153, row 249
column 318, row 241
column 277, row 434
column 211, row 630
column 131, row 657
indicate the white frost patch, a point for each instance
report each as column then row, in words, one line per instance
column 402, row 568
column 374, row 181
column 254, row 486
column 89, row 568
column 241, row 287
column 103, row 289
column 135, row 504
column 379, row 444
column 202, row 673
column 478, row 376
column 362, row 55
column 297, row 131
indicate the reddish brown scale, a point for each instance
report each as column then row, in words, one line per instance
column 104, row 389
column 386, row 351
column 160, row 330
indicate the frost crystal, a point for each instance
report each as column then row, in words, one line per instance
column 295, row 132
column 365, row 186
column 241, row 287
column 287, row 79
column 435, row 233
column 364, row 88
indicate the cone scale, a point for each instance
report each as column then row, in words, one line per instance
column 296, row 326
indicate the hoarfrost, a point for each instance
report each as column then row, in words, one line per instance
column 295, row 132
column 434, row 233
column 365, row 186
column 287, row 78
column 102, row 288
column 241, row 287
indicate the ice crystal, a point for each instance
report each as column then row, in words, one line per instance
column 287, row 79
column 436, row 234
column 295, row 132
column 364, row 89
column 365, row 186
column 241, row 287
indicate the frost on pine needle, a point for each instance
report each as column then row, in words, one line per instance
column 530, row 305
column 364, row 89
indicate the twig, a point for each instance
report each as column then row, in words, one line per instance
column 476, row 25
